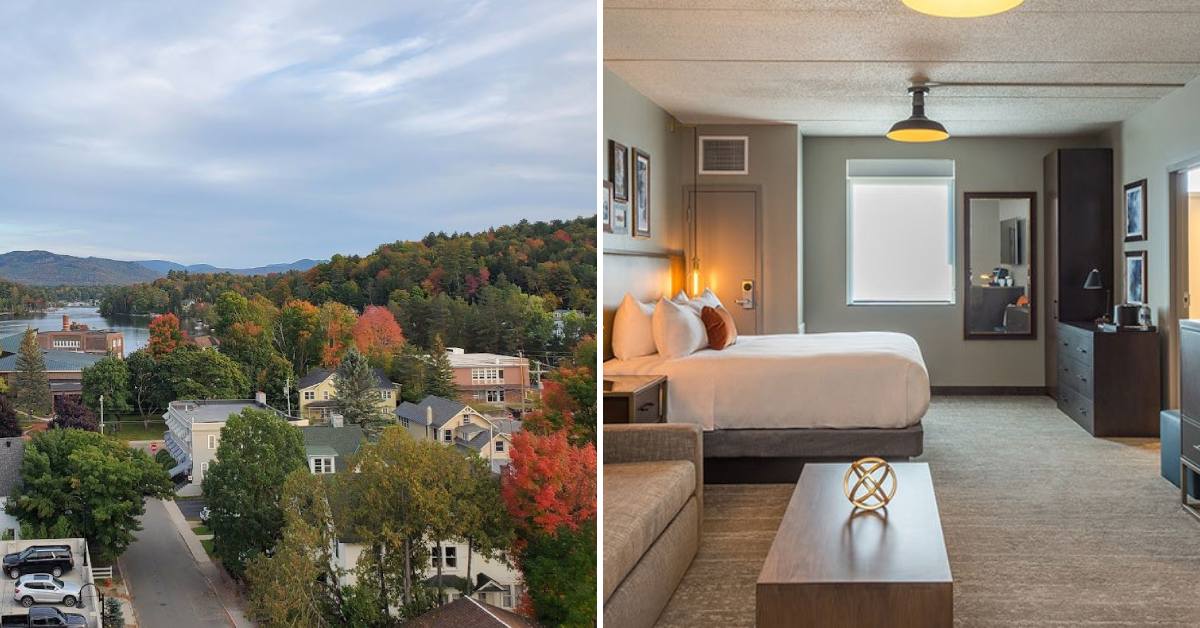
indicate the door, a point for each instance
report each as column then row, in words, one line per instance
column 727, row 247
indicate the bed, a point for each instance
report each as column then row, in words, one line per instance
column 769, row 404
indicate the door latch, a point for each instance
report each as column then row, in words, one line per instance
column 747, row 300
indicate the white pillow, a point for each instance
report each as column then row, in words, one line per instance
column 678, row 331
column 633, row 333
column 706, row 299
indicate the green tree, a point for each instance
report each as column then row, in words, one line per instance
column 256, row 453
column 439, row 375
column 190, row 373
column 480, row 512
column 560, row 575
column 297, row 585
column 112, row 616
column 108, row 377
column 10, row 425
column 165, row 459
column 358, row 393
column 30, row 385
column 145, row 384
column 408, row 368
column 80, row 483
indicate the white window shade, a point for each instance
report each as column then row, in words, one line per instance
column 900, row 232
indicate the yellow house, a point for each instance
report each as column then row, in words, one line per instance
column 453, row 422
column 318, row 395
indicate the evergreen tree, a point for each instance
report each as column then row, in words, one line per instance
column 408, row 368
column 358, row 393
column 10, row 426
column 439, row 375
column 31, row 387
column 112, row 616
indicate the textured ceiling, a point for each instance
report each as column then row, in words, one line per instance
column 841, row 67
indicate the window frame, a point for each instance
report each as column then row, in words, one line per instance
column 952, row 235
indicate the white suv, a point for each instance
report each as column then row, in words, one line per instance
column 45, row 589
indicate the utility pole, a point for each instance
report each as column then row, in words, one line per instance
column 287, row 393
column 101, row 414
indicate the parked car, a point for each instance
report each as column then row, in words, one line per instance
column 52, row 559
column 43, row 616
column 45, row 589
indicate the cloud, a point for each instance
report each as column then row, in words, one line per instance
column 241, row 134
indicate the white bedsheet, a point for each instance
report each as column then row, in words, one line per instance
column 836, row 380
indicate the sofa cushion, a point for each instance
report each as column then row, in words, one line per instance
column 640, row 500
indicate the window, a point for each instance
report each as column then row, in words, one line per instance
column 450, row 554
column 448, row 435
column 487, row 376
column 212, row 441
column 506, row 599
column 499, row 446
column 900, row 231
column 387, row 394
column 325, row 395
column 321, row 464
column 309, row 395
column 495, row 395
column 203, row 468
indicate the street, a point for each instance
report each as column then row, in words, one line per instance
column 168, row 588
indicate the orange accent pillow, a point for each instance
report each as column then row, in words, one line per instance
column 718, row 322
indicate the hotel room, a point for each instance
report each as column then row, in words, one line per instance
column 897, row 314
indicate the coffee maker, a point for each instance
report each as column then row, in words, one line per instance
column 1131, row 315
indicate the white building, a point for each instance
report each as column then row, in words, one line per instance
column 194, row 431
column 12, row 453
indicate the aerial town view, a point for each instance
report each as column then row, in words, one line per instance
column 298, row 314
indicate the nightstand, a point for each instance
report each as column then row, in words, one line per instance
column 635, row 398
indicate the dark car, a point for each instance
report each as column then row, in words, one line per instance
column 43, row 616
column 51, row 559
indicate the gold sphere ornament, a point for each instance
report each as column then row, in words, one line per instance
column 874, row 483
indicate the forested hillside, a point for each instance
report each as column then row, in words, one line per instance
column 19, row 300
column 490, row 291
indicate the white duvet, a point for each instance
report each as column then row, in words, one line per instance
column 837, row 380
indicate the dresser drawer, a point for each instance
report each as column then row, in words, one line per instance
column 1075, row 343
column 1076, row 374
column 1077, row 406
column 1189, row 440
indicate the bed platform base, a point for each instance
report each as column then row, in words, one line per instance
column 754, row 456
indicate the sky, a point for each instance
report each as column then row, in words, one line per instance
column 247, row 133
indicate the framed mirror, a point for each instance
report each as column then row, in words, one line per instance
column 1001, row 257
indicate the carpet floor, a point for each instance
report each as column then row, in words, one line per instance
column 1044, row 526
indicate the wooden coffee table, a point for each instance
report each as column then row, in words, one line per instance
column 832, row 566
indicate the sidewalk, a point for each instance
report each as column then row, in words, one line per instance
column 225, row 588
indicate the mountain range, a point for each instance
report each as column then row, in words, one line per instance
column 43, row 268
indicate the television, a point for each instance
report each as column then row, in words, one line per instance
column 1012, row 241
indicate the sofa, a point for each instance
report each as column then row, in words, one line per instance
column 653, row 500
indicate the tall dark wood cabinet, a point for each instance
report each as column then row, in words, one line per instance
column 1078, row 197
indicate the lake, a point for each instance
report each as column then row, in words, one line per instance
column 135, row 328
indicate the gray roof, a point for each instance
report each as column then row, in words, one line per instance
column 443, row 410
column 212, row 410
column 12, row 452
column 318, row 375
column 55, row 361
column 344, row 441
column 11, row 344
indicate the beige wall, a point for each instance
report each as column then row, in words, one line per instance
column 775, row 173
column 982, row 165
column 633, row 120
column 1146, row 146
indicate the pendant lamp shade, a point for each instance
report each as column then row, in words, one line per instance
column 918, row 128
column 963, row 8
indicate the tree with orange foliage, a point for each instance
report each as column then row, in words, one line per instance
column 338, row 321
column 166, row 335
column 378, row 335
column 549, row 489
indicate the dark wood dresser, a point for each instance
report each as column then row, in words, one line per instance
column 1109, row 383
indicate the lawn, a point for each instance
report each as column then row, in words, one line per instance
column 201, row 530
column 208, row 548
column 129, row 428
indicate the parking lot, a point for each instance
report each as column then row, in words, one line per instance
column 80, row 576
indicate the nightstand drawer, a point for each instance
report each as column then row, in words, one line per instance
column 1075, row 343
column 1189, row 440
column 647, row 405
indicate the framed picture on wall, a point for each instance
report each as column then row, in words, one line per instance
column 606, row 201
column 620, row 218
column 1135, row 211
column 618, row 170
column 641, row 193
column 1135, row 276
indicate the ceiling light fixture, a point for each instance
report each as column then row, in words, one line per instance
column 918, row 128
column 963, row 8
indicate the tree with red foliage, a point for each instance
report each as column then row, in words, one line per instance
column 378, row 335
column 166, row 335
column 69, row 412
column 549, row 483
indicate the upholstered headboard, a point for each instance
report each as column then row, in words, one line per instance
column 647, row 276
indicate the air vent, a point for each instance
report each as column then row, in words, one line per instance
column 724, row 154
